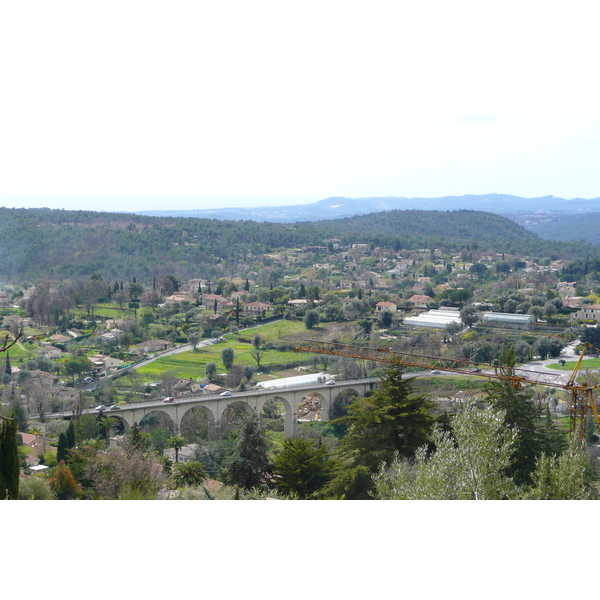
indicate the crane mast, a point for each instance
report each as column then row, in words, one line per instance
column 581, row 395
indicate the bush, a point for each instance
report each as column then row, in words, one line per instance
column 34, row 488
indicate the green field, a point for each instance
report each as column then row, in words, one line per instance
column 191, row 365
column 588, row 363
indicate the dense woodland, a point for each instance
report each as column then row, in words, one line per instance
column 584, row 227
column 36, row 243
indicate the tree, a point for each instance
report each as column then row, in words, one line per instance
column 169, row 284
column 393, row 419
column 385, row 319
column 227, row 357
column 76, row 365
column 118, row 474
column 120, row 297
column 194, row 338
column 61, row 449
column 135, row 291
column 301, row 470
column 9, row 459
column 564, row 477
column 136, row 440
column 107, row 424
column 34, row 488
column 313, row 293
column 256, row 353
column 177, row 442
column 63, row 483
column 70, row 435
column 249, row 465
column 311, row 319
column 210, row 371
column 590, row 335
column 235, row 374
column 470, row 464
column 468, row 315
column 189, row 473
column 522, row 415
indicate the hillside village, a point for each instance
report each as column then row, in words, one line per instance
column 84, row 342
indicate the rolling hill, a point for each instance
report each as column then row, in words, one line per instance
column 38, row 243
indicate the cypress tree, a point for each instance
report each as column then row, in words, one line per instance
column 71, row 435
column 9, row 460
column 61, row 449
column 7, row 367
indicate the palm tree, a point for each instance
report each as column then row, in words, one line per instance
column 189, row 473
column 177, row 442
column 108, row 423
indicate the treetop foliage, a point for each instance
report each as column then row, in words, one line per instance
column 71, row 244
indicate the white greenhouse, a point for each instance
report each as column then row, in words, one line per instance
column 434, row 319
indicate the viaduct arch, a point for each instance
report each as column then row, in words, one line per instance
column 215, row 406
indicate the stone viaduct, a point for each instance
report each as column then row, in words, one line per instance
column 215, row 406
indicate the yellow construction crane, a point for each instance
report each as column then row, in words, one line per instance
column 582, row 394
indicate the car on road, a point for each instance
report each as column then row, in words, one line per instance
column 101, row 407
column 225, row 393
column 435, row 372
column 475, row 370
column 115, row 407
column 330, row 382
column 89, row 380
column 169, row 399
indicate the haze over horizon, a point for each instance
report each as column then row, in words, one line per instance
column 137, row 105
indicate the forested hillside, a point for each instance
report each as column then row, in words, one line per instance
column 36, row 243
column 564, row 227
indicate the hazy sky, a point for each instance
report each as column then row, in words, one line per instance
column 126, row 105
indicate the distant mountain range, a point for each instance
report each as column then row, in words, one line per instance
column 339, row 207
column 550, row 217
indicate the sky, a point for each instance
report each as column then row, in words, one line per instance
column 127, row 105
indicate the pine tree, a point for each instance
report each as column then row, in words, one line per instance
column 392, row 421
column 249, row 465
column 301, row 469
column 536, row 434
